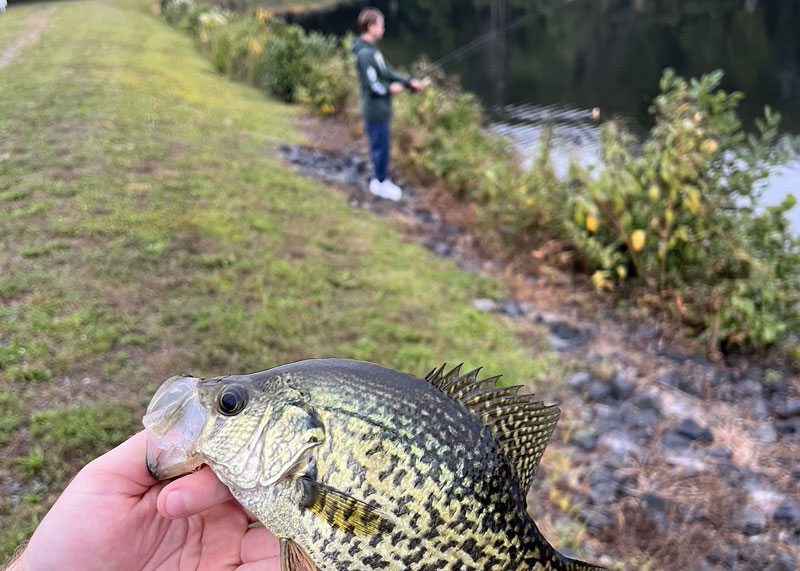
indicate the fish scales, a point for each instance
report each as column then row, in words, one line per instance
column 447, row 494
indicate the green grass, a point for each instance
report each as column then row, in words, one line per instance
column 149, row 228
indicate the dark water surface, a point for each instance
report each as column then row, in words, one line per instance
column 559, row 60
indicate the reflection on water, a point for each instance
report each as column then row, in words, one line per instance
column 566, row 57
column 575, row 132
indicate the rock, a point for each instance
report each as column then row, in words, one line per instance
column 441, row 249
column 749, row 389
column 607, row 418
column 754, row 372
column 732, row 476
column 619, row 444
column 599, row 520
column 646, row 332
column 765, row 499
column 603, row 494
column 788, row 426
column 782, row 561
column 484, row 304
column 512, row 309
column 759, row 409
column 669, row 379
column 648, row 418
column 426, row 216
column 750, row 521
column 675, row 355
column 529, row 309
column 789, row 409
column 720, row 453
column 654, row 503
column 675, row 441
column 725, row 557
column 788, row 513
column 586, row 442
column 605, row 487
column 564, row 331
column 721, row 377
column 621, row 389
column 598, row 391
column 690, row 463
column 693, row 431
column 639, row 418
column 656, row 508
column 452, row 229
column 690, row 385
column 777, row 386
column 755, row 556
column 579, row 380
column 648, row 400
column 765, row 433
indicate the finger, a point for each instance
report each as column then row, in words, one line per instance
column 192, row 494
column 125, row 467
column 258, row 543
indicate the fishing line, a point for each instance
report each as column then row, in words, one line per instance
column 465, row 49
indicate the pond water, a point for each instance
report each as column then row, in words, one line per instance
column 538, row 62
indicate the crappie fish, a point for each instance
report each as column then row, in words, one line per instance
column 354, row 466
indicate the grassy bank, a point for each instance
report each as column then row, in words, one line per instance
column 148, row 228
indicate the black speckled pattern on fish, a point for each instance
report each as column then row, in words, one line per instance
column 382, row 470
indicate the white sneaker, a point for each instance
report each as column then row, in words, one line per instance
column 386, row 189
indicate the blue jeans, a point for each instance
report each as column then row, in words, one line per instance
column 379, row 145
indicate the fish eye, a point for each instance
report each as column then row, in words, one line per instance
column 232, row 399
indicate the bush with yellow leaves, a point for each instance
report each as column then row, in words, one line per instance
column 682, row 216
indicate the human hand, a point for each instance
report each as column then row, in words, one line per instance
column 114, row 515
column 415, row 85
column 395, row 87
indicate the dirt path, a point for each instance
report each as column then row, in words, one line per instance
column 33, row 28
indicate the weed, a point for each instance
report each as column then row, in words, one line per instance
column 11, row 416
column 30, row 464
column 14, row 195
column 79, row 434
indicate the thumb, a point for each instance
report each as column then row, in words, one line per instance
column 192, row 494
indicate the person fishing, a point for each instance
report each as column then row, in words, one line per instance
column 378, row 81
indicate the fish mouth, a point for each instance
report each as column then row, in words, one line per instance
column 174, row 420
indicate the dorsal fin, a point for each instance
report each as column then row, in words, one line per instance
column 520, row 425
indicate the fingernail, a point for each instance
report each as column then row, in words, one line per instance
column 175, row 504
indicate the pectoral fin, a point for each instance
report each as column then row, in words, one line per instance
column 293, row 558
column 343, row 511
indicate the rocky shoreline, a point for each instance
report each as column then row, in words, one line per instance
column 676, row 461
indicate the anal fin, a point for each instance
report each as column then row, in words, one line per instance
column 293, row 558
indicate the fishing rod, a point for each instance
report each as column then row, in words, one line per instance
column 477, row 42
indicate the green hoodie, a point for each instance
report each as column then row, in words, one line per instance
column 375, row 76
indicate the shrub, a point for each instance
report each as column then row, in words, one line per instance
column 525, row 206
column 289, row 54
column 330, row 86
column 440, row 134
column 183, row 14
column 682, row 216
